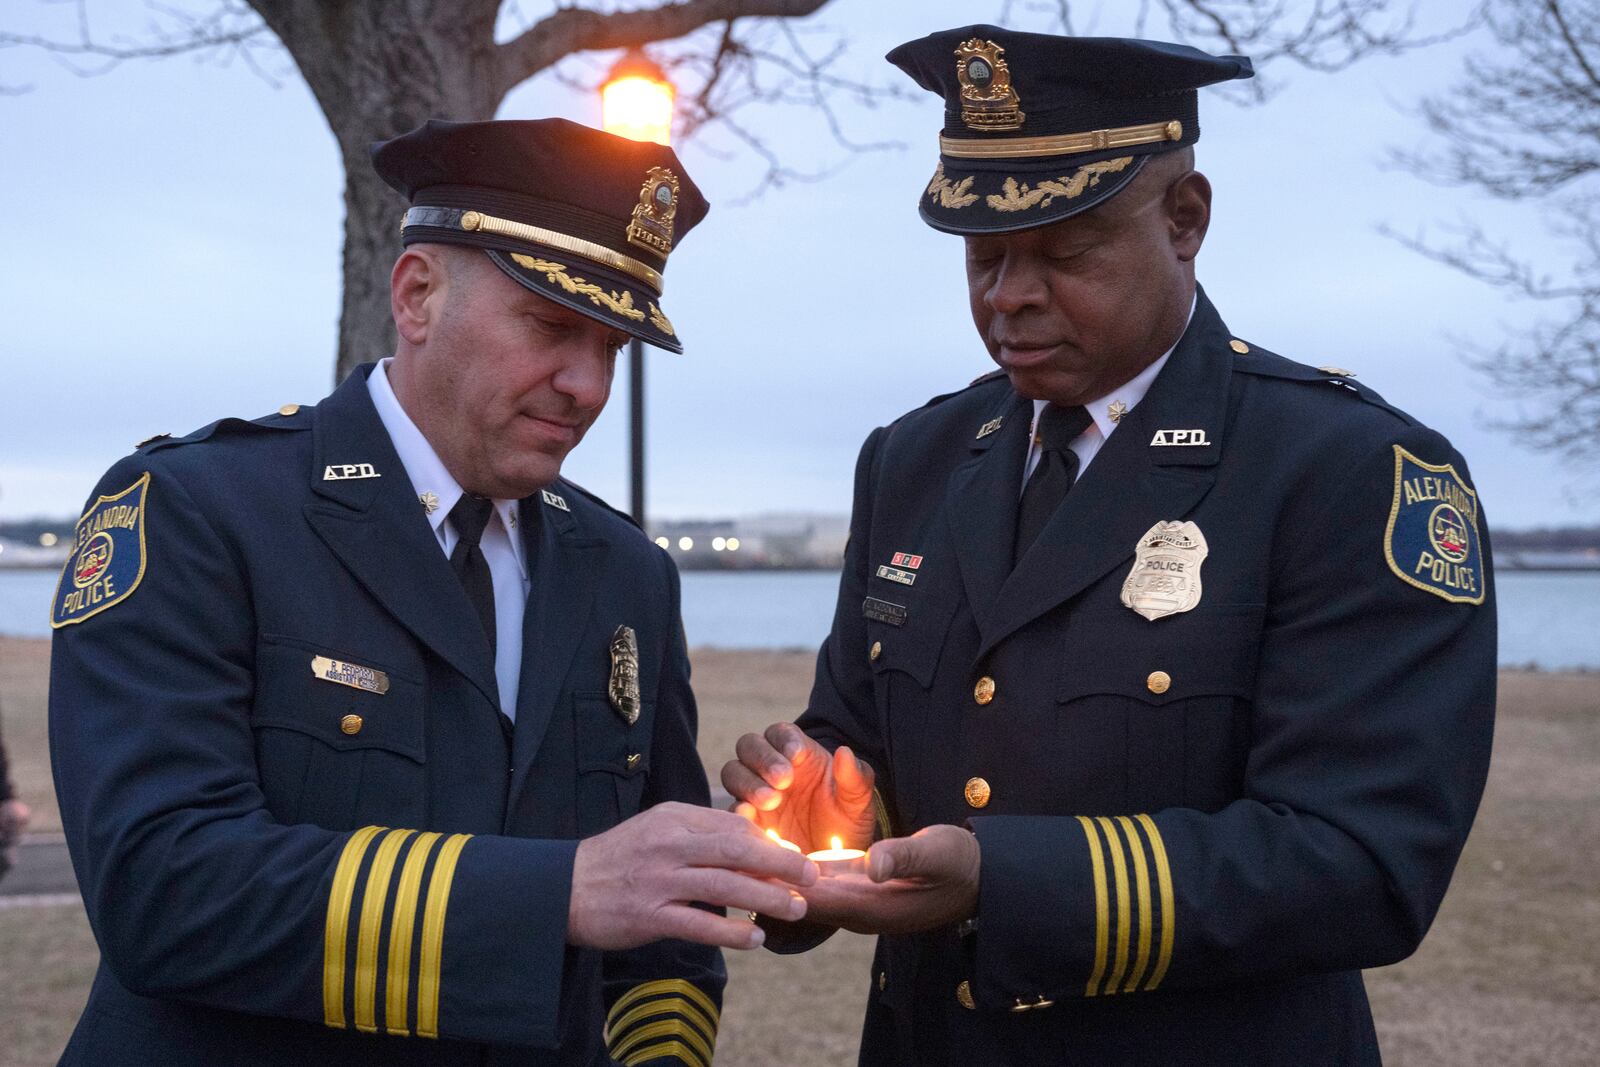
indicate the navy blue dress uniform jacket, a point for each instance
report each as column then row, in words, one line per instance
column 1197, row 829
column 281, row 868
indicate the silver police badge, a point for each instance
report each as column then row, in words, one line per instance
column 1165, row 578
column 624, row 686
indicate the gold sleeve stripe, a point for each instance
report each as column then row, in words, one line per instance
column 372, row 902
column 677, row 986
column 664, row 1006
column 336, row 927
column 666, row 1048
column 676, row 1029
column 397, row 990
column 1141, row 885
column 1169, row 916
column 880, row 815
column 444, row 869
column 1102, row 908
column 1119, row 868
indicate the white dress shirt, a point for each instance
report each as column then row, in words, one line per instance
column 501, row 544
column 1104, row 410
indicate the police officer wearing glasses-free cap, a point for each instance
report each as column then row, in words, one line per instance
column 1162, row 674
column 373, row 736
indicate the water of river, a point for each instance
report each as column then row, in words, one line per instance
column 1548, row 620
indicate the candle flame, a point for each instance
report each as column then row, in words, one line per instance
column 838, row 843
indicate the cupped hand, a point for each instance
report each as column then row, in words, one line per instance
column 786, row 782
column 915, row 883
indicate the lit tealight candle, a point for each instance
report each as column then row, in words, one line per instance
column 839, row 860
column 776, row 840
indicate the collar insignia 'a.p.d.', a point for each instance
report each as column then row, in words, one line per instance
column 988, row 102
column 107, row 562
column 343, row 472
column 1165, row 578
column 623, row 689
column 989, row 427
column 1432, row 538
column 651, row 226
column 553, row 500
column 354, row 675
column 1178, row 438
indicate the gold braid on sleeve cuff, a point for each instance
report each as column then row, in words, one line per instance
column 669, row 1018
column 353, row 998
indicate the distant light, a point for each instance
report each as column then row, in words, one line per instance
column 733, row 544
column 685, row 544
column 2, row 548
column 718, row 544
column 662, row 542
column 47, row 539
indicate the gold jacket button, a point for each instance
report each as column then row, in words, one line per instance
column 875, row 651
column 1239, row 347
column 983, row 692
column 978, row 793
column 1158, row 682
column 289, row 409
column 350, row 724
column 964, row 995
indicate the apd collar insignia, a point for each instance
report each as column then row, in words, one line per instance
column 553, row 500
column 108, row 562
column 1432, row 538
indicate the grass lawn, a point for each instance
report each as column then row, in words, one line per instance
column 1509, row 975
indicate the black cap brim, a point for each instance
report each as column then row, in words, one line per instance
column 590, row 289
column 972, row 201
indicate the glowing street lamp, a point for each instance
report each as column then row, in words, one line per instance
column 636, row 100
column 636, row 103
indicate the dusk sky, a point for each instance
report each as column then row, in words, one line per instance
column 176, row 232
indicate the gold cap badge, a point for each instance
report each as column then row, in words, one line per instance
column 624, row 686
column 987, row 100
column 652, row 216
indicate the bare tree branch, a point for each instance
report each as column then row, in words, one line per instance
column 580, row 29
column 1523, row 123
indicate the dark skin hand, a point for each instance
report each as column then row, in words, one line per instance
column 786, row 782
column 915, row 883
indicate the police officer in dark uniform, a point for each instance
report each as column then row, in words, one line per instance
column 1165, row 664
column 373, row 737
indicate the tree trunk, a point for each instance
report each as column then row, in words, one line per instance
column 379, row 68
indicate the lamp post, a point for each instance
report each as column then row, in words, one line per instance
column 636, row 102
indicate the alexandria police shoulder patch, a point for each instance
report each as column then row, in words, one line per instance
column 1432, row 540
column 107, row 562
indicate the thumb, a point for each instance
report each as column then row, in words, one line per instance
column 852, row 779
column 898, row 857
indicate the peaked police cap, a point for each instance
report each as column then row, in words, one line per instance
column 579, row 216
column 1039, row 127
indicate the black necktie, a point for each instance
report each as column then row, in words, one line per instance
column 1058, row 466
column 469, row 517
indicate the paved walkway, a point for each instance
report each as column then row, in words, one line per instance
column 41, row 867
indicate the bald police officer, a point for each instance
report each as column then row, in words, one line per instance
column 1170, row 661
column 373, row 736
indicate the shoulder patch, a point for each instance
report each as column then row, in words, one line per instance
column 107, row 564
column 1432, row 538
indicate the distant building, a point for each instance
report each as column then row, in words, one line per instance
column 775, row 540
